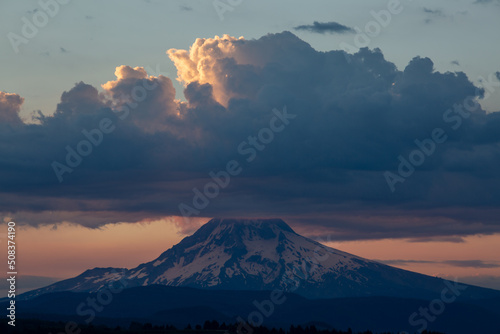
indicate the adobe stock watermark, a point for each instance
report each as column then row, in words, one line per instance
column 373, row 28
column 454, row 118
column 222, row 6
column 94, row 137
column 292, row 280
column 437, row 306
column 248, row 148
column 47, row 10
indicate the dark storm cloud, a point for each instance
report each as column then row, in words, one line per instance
column 355, row 114
column 325, row 27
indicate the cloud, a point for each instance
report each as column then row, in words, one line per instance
column 355, row 115
column 433, row 14
column 10, row 106
column 455, row 62
column 454, row 239
column 326, row 27
column 202, row 64
column 471, row 264
column 155, row 94
column 483, row 2
column 404, row 262
column 453, row 263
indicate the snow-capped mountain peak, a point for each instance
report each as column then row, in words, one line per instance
column 259, row 254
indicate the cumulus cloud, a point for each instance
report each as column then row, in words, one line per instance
column 10, row 105
column 325, row 27
column 355, row 115
column 202, row 63
column 156, row 96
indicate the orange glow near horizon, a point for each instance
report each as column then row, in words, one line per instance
column 484, row 248
column 69, row 249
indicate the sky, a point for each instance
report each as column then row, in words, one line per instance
column 370, row 124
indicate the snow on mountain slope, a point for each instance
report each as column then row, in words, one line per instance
column 262, row 255
column 244, row 254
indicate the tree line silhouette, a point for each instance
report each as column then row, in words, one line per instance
column 32, row 326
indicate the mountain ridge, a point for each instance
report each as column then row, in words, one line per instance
column 263, row 254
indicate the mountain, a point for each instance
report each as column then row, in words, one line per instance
column 266, row 254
